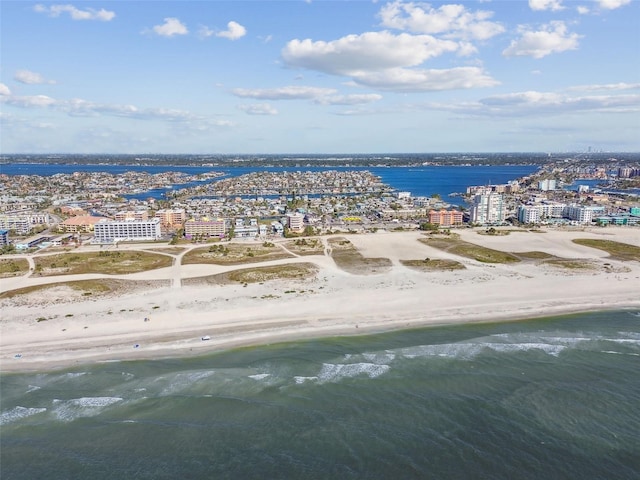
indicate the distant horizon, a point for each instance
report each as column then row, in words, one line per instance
column 326, row 154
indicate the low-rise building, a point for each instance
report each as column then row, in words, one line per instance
column 205, row 227
column 445, row 218
column 79, row 224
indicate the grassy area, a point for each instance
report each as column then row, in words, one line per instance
column 234, row 254
column 470, row 250
column 305, row 246
column 570, row 264
column 83, row 288
column 13, row 267
column 433, row 264
column 349, row 259
column 110, row 263
column 617, row 250
column 294, row 271
column 533, row 255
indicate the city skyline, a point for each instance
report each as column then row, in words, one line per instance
column 319, row 76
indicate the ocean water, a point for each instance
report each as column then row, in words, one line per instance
column 553, row 398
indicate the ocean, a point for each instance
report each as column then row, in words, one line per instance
column 420, row 181
column 551, row 398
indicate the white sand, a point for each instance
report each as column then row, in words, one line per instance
column 77, row 330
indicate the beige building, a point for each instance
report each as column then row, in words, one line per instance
column 171, row 217
column 205, row 227
column 79, row 224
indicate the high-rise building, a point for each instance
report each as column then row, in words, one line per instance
column 488, row 208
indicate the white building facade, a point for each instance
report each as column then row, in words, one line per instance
column 106, row 231
column 488, row 208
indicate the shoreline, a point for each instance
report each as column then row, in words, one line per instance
column 332, row 303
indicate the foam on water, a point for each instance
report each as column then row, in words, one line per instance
column 69, row 410
column 18, row 413
column 332, row 372
column 300, row 380
column 260, row 376
column 183, row 381
column 32, row 388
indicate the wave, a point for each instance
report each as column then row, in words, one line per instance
column 69, row 410
column 332, row 372
column 18, row 413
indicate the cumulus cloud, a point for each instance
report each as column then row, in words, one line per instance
column 31, row 78
column 450, row 21
column 582, row 10
column 553, row 5
column 417, row 80
column 552, row 38
column 370, row 51
column 234, row 31
column 4, row 90
column 75, row 13
column 258, row 109
column 612, row 4
column 171, row 27
column 283, row 93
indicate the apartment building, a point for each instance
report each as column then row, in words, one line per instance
column 79, row 224
column 295, row 222
column 137, row 215
column 488, row 208
column 445, row 218
column 171, row 217
column 205, row 227
column 108, row 231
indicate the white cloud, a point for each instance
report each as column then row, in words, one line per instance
column 170, row 27
column 75, row 13
column 612, row 4
column 83, row 108
column 553, row 5
column 416, row 80
column 370, row 51
column 234, row 31
column 582, row 10
column 4, row 90
column 552, row 38
column 353, row 99
column 283, row 93
column 258, row 109
column 532, row 103
column 31, row 78
column 607, row 86
column 450, row 21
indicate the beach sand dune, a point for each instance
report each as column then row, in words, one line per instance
column 162, row 316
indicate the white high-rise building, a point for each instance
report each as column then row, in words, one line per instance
column 488, row 208
column 106, row 231
column 529, row 213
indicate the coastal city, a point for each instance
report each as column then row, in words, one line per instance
column 105, row 208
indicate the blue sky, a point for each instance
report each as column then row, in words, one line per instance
column 319, row 76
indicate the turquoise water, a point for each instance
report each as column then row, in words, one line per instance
column 555, row 398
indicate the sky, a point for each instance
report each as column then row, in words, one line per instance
column 323, row 77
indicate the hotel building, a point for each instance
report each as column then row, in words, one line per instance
column 106, row 231
column 445, row 218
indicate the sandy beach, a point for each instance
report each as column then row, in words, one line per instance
column 169, row 311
